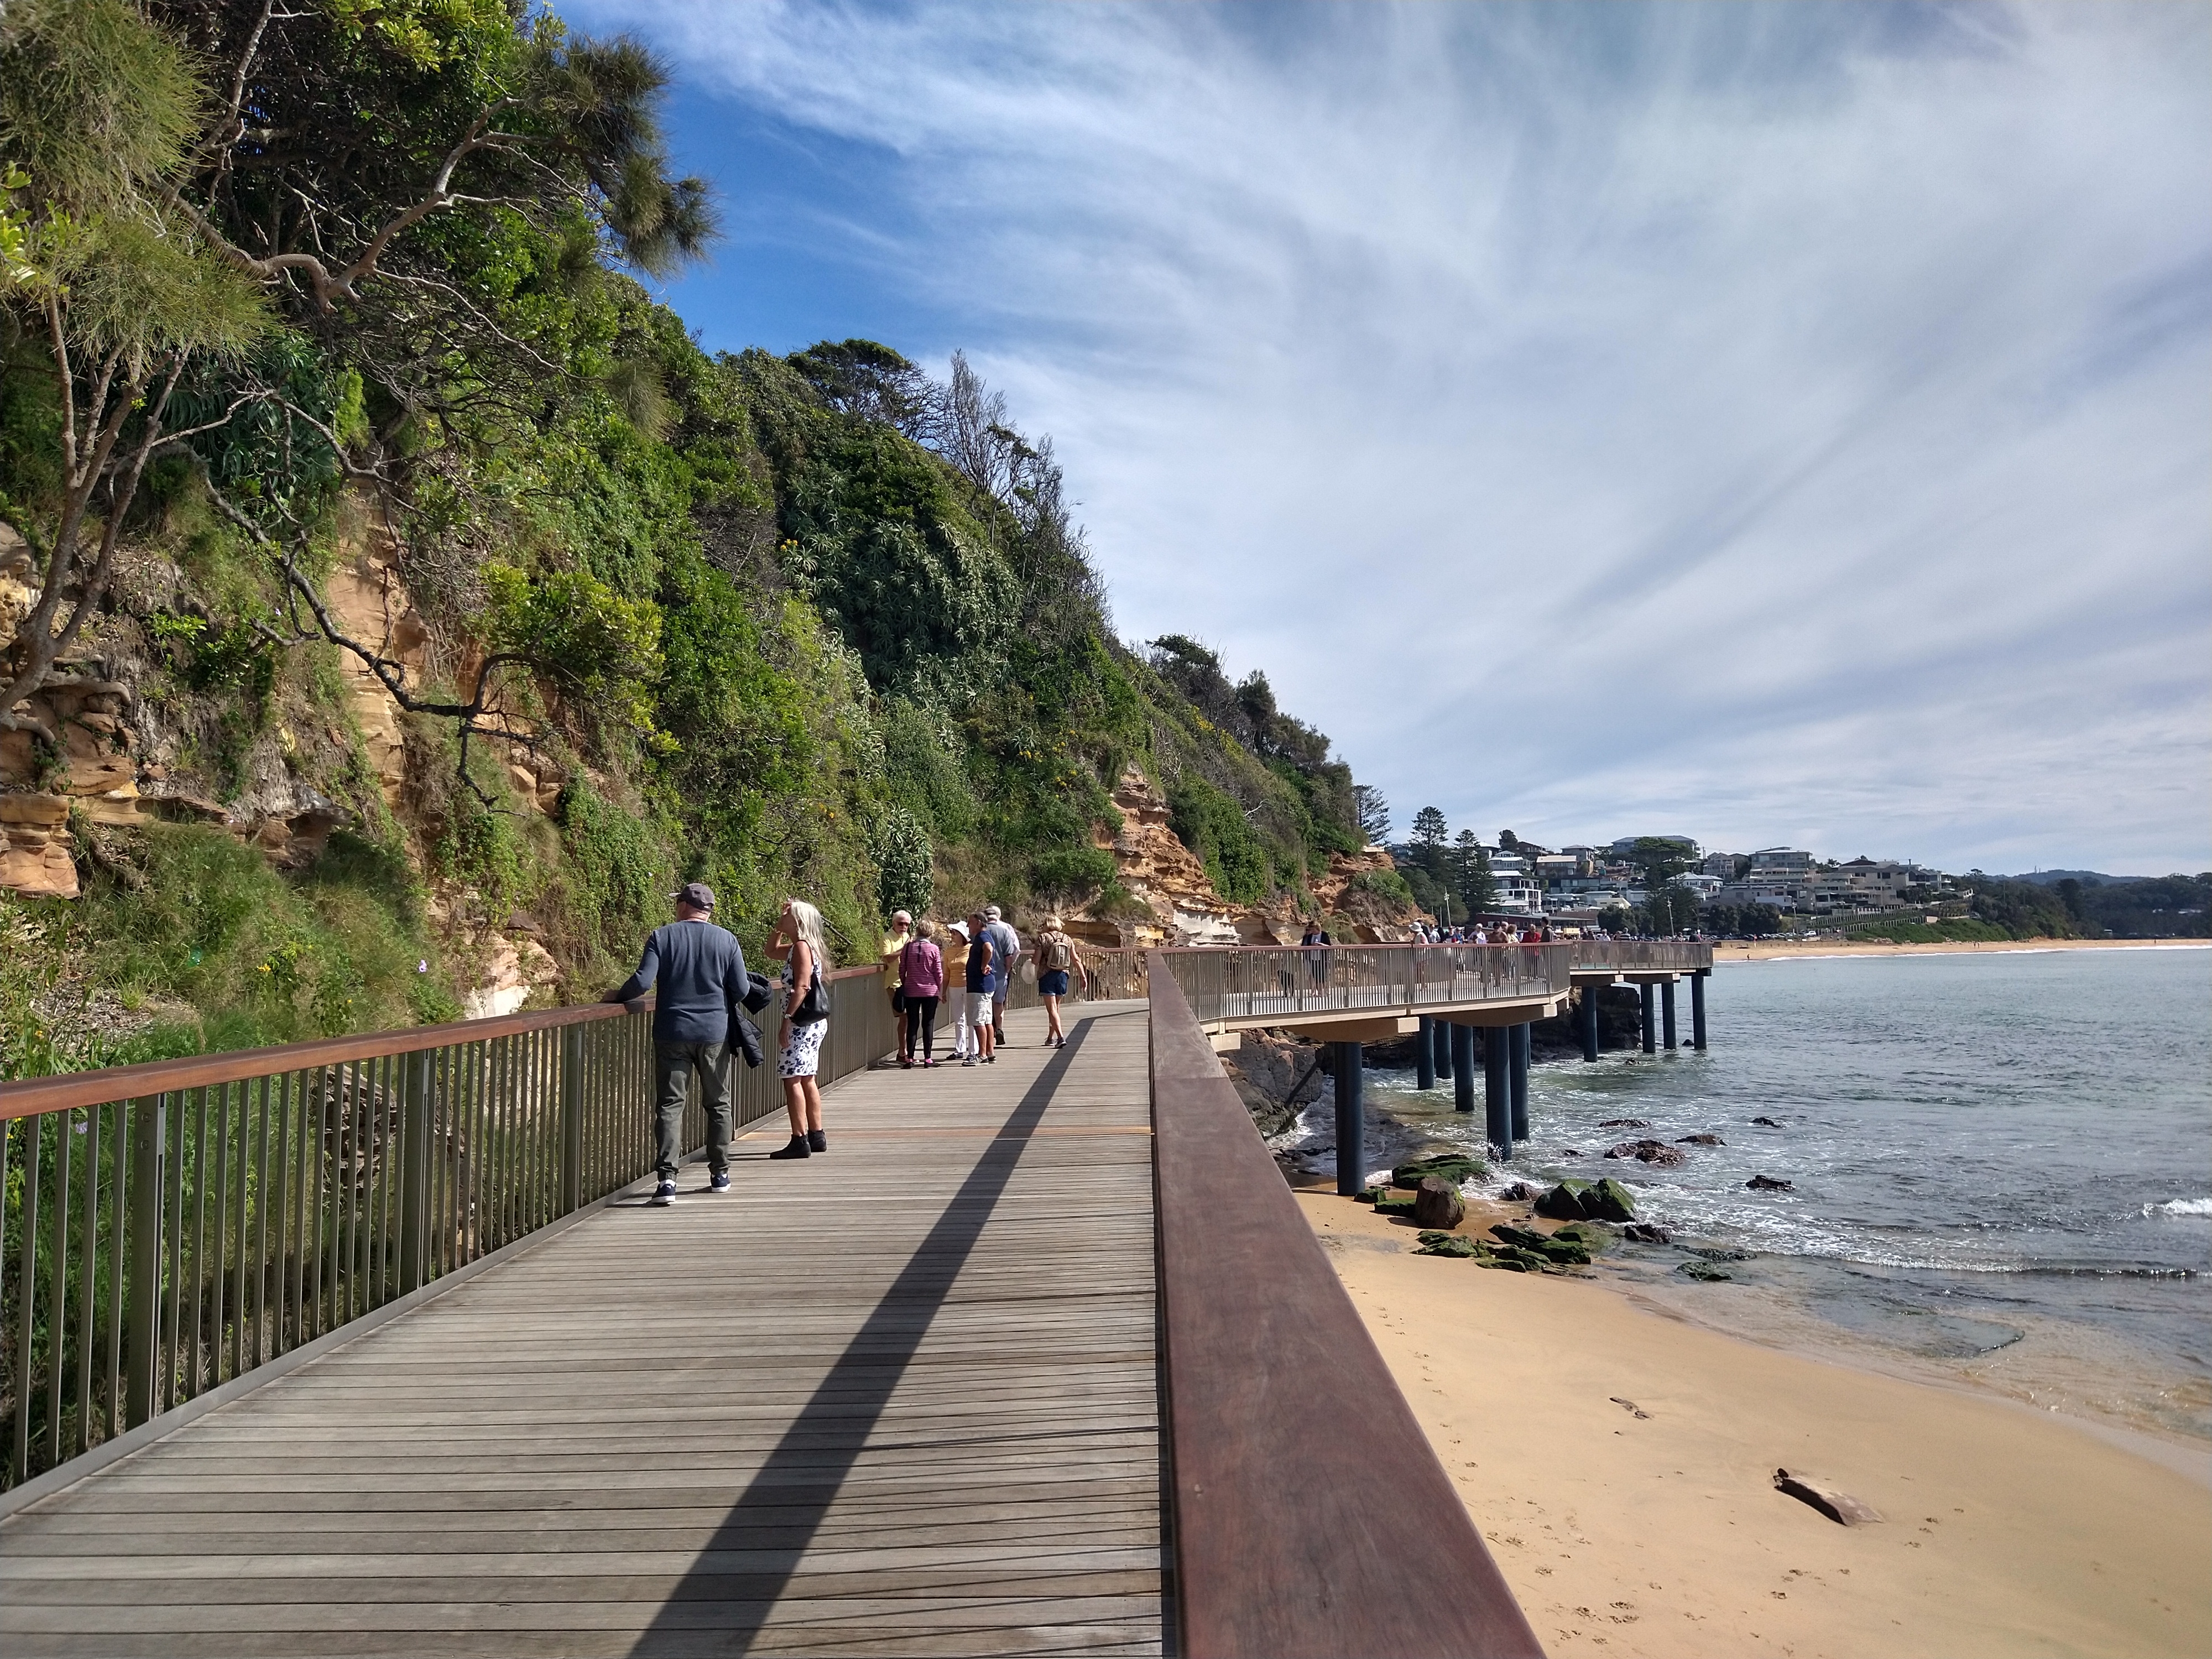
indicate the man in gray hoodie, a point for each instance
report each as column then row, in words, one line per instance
column 700, row 973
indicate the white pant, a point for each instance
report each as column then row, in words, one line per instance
column 971, row 1009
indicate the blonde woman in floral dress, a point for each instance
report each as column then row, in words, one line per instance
column 797, row 943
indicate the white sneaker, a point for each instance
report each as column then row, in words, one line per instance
column 969, row 1060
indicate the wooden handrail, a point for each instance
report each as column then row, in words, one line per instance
column 32, row 1095
column 1311, row 1517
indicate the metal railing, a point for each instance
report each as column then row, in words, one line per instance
column 1642, row 955
column 1233, row 982
column 166, row 1228
column 1110, row 977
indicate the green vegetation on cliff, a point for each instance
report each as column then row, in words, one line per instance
column 365, row 323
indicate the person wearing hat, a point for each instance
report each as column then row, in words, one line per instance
column 699, row 971
column 955, row 952
column 1006, row 951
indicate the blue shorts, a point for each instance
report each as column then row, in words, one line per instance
column 1053, row 984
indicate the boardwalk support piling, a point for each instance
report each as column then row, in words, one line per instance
column 1650, row 992
column 1424, row 1054
column 1697, row 1012
column 1497, row 1096
column 1589, row 1022
column 1521, row 1081
column 1346, row 1060
column 1666, row 1007
column 1461, row 1040
column 1445, row 1052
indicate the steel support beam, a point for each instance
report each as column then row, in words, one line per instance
column 1697, row 1012
column 1520, row 1051
column 1462, row 1043
column 1497, row 1090
column 1650, row 993
column 1445, row 1052
column 1667, row 1010
column 1347, row 1062
column 1589, row 1022
column 1424, row 1054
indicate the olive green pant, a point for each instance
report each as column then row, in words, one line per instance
column 673, row 1066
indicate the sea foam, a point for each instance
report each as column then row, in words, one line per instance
column 2180, row 1206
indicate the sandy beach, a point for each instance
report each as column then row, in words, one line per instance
column 1769, row 950
column 1620, row 1462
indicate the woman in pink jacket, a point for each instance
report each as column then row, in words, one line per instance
column 921, row 980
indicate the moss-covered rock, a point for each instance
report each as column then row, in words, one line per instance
column 1449, row 1166
column 1436, row 1242
column 1609, row 1201
column 1564, row 1202
column 1704, row 1271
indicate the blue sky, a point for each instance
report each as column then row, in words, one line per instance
column 1780, row 424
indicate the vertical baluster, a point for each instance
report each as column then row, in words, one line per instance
column 259, row 1346
column 88, row 1300
column 58, row 1304
column 23, row 1314
column 317, row 1144
column 27, row 1290
column 508, row 1117
column 118, row 1188
column 182, row 1244
column 189, row 1341
column 349, row 1087
column 277, row 1196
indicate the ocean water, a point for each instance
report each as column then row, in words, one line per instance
column 2001, row 1167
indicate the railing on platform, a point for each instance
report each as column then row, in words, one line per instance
column 1108, row 975
column 166, row 1228
column 1630, row 956
column 1234, row 983
column 1312, row 1518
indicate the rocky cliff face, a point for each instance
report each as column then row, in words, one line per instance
column 1181, row 907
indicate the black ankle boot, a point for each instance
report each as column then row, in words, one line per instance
column 815, row 1141
column 798, row 1148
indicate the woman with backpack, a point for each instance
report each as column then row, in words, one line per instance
column 1057, row 957
column 921, row 983
column 797, row 943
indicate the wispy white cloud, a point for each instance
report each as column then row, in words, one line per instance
column 1769, row 422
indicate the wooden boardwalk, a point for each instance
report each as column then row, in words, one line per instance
column 899, row 1399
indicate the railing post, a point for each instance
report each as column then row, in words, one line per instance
column 572, row 1120
column 414, row 1172
column 148, row 1118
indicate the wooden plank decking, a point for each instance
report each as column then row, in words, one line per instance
column 899, row 1399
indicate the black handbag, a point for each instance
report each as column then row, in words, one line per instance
column 814, row 1007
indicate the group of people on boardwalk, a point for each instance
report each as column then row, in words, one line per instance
column 703, row 991
column 982, row 952
column 1495, row 932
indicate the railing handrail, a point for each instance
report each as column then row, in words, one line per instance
column 1312, row 1515
column 30, row 1097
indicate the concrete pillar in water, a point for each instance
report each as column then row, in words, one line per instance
column 1424, row 1054
column 1651, row 999
column 1462, row 1040
column 1498, row 1089
column 1443, row 1052
column 1698, row 1011
column 1346, row 1062
column 1666, row 1007
column 1589, row 1021
column 1521, row 1081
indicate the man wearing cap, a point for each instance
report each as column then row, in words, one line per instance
column 700, row 972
